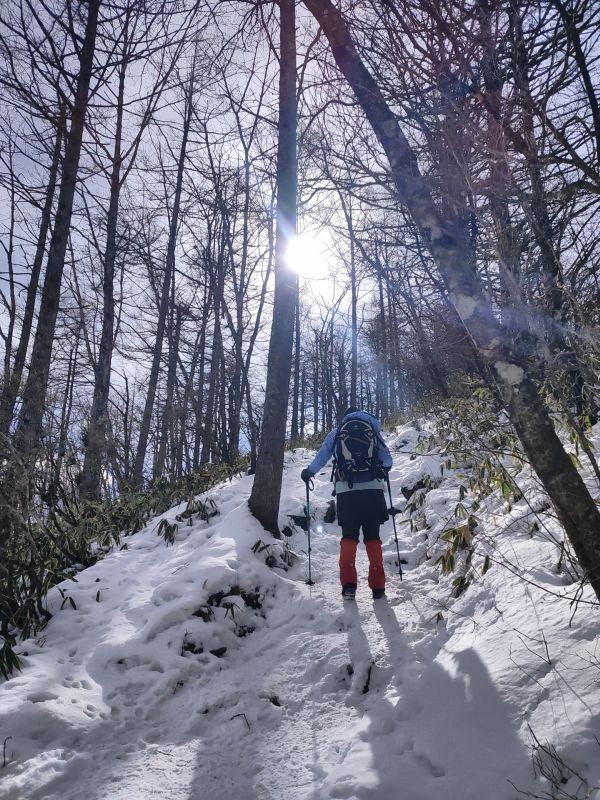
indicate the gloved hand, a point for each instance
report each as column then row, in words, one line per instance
column 383, row 472
column 306, row 475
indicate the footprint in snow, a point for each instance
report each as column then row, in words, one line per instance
column 361, row 678
column 429, row 766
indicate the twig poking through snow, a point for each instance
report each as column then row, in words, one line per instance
column 245, row 718
column 4, row 761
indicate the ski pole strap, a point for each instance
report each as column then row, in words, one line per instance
column 309, row 488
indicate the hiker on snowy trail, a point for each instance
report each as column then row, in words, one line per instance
column 361, row 463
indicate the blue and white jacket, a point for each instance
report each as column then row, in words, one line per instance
column 326, row 452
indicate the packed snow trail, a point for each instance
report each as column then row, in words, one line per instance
column 130, row 695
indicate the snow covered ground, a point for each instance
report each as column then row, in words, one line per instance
column 196, row 670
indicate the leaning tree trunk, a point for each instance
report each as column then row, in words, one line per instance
column 266, row 491
column 573, row 503
column 34, row 395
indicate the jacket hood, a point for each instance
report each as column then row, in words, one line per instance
column 365, row 415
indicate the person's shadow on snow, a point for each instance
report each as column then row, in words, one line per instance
column 451, row 732
column 361, row 659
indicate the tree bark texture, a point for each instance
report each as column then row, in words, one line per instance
column 266, row 491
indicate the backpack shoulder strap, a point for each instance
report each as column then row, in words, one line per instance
column 333, row 449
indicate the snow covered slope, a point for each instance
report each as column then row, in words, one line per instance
column 198, row 671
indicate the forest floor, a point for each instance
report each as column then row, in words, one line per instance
column 197, row 671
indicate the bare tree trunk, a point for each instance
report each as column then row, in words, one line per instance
column 554, row 296
column 140, row 457
column 10, row 388
column 296, row 394
column 187, row 403
column 34, row 396
column 342, row 399
column 354, row 323
column 324, row 388
column 168, row 414
column 210, row 422
column 383, row 350
column 264, row 499
column 65, row 418
column 198, row 399
column 127, row 425
column 572, row 501
column 540, row 219
column 252, row 430
column 316, row 387
column 330, row 374
column 569, row 18
column 347, row 209
column 303, row 402
column 97, row 429
column 9, row 298
column 198, row 402
column 507, row 244
column 224, row 391
column 392, row 353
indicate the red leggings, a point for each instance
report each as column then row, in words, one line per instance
column 348, row 546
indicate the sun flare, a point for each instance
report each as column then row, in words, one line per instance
column 307, row 254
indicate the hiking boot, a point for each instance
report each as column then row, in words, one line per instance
column 378, row 594
column 349, row 591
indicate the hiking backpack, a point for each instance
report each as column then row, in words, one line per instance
column 355, row 452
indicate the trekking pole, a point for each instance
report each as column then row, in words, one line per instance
column 393, row 512
column 310, row 484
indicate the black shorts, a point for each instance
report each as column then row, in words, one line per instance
column 360, row 507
